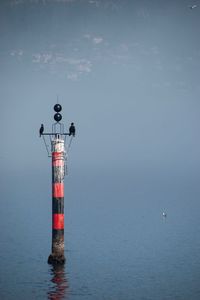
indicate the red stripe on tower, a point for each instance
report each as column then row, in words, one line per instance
column 58, row 190
column 57, row 159
column 58, row 221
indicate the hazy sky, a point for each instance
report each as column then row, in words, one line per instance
column 126, row 73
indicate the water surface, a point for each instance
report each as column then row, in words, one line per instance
column 117, row 243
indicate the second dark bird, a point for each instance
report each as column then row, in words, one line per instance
column 72, row 129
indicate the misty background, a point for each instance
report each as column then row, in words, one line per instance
column 127, row 74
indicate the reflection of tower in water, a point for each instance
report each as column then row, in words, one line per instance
column 60, row 287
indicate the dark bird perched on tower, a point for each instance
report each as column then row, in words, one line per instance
column 72, row 129
column 41, row 129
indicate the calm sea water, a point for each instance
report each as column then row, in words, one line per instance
column 118, row 245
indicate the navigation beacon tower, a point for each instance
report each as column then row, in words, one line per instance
column 58, row 153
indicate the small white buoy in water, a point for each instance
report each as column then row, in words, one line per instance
column 164, row 214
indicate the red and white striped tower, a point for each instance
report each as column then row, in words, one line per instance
column 58, row 154
column 58, row 173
